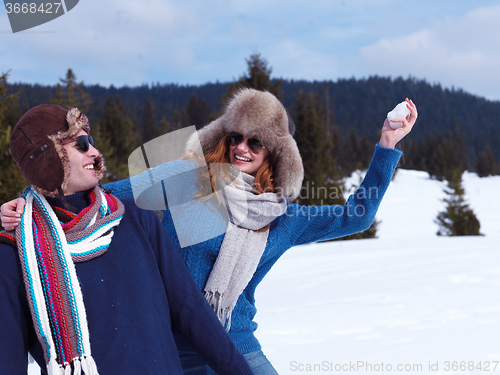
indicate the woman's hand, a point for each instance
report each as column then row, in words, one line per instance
column 10, row 213
column 392, row 136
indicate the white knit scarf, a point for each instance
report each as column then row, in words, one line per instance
column 243, row 245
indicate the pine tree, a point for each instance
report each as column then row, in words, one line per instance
column 322, row 180
column 485, row 163
column 415, row 155
column 349, row 153
column 258, row 77
column 12, row 182
column 444, row 155
column 198, row 111
column 180, row 119
column 149, row 128
column 366, row 150
column 164, row 125
column 321, row 183
column 331, row 126
column 115, row 138
column 457, row 219
column 70, row 94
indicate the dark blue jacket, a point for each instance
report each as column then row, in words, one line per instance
column 134, row 295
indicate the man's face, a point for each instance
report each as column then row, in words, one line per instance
column 81, row 167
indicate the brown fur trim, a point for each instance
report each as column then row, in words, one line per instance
column 77, row 120
column 100, row 167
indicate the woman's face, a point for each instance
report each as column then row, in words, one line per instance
column 242, row 158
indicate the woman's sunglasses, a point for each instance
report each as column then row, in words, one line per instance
column 83, row 142
column 254, row 144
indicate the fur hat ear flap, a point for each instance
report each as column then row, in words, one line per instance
column 288, row 168
column 99, row 167
column 291, row 124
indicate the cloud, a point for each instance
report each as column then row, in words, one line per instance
column 191, row 41
column 459, row 51
column 295, row 60
column 109, row 41
column 342, row 33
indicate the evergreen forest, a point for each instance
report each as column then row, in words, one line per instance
column 338, row 122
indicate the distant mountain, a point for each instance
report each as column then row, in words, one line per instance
column 358, row 103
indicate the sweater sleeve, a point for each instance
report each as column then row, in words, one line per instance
column 16, row 328
column 306, row 224
column 190, row 313
column 147, row 188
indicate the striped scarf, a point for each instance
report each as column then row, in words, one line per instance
column 49, row 241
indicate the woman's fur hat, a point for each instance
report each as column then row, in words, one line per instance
column 260, row 115
column 36, row 146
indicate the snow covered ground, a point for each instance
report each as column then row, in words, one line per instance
column 406, row 302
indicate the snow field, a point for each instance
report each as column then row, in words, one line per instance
column 408, row 302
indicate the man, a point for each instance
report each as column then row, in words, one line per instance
column 89, row 284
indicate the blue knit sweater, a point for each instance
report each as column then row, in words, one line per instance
column 134, row 294
column 299, row 225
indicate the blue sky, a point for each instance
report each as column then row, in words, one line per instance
column 122, row 42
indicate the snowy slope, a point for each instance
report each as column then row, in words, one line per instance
column 407, row 298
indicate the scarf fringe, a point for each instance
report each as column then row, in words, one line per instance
column 79, row 366
column 223, row 314
column 53, row 368
column 91, row 367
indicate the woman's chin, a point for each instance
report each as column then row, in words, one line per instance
column 245, row 168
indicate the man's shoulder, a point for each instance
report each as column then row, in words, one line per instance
column 128, row 203
column 137, row 221
column 9, row 257
column 134, row 212
column 131, row 206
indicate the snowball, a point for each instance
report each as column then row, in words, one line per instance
column 400, row 111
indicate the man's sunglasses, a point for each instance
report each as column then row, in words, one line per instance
column 254, row 144
column 83, row 142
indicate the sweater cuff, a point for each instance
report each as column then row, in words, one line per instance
column 386, row 156
column 377, row 146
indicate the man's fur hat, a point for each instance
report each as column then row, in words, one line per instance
column 36, row 146
column 260, row 115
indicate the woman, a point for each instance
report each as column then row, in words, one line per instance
column 254, row 136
